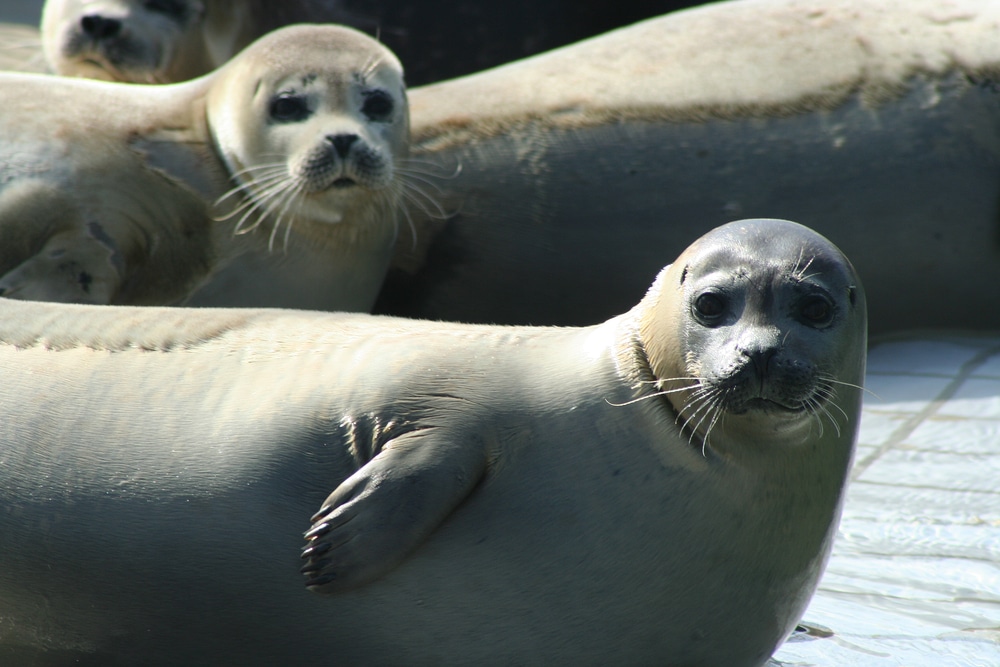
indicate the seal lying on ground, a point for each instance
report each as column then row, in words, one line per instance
column 661, row 488
column 163, row 41
column 131, row 194
column 581, row 171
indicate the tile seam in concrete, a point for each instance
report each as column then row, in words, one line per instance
column 903, row 431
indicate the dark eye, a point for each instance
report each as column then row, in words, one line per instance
column 174, row 8
column 710, row 307
column 288, row 108
column 816, row 310
column 378, row 105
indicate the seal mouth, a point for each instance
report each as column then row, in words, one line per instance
column 343, row 182
column 770, row 405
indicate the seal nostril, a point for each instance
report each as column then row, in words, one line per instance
column 99, row 27
column 342, row 143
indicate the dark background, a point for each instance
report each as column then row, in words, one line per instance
column 441, row 39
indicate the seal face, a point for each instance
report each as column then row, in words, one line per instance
column 339, row 120
column 164, row 41
column 273, row 181
column 765, row 319
column 148, row 41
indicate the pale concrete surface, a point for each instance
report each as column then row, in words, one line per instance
column 914, row 579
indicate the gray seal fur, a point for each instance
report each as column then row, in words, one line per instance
column 583, row 170
column 660, row 488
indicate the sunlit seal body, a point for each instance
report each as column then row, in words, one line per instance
column 162, row 41
column 131, row 194
column 581, row 171
column 662, row 488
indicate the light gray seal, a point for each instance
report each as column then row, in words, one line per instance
column 662, row 488
column 573, row 176
column 273, row 181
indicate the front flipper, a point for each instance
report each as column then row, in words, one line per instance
column 79, row 265
column 381, row 513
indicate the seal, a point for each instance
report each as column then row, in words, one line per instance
column 131, row 194
column 163, row 41
column 583, row 170
column 660, row 488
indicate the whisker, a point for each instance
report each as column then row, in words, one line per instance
column 848, row 384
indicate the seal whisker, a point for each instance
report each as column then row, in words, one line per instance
column 822, row 408
column 421, row 199
column 662, row 392
column 813, row 407
column 408, row 162
column 259, row 204
column 828, row 397
column 848, row 384
column 702, row 397
column 267, row 198
column 388, row 203
column 718, row 412
column 242, row 188
column 706, row 402
column 294, row 193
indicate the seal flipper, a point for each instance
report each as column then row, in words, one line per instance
column 74, row 266
column 381, row 513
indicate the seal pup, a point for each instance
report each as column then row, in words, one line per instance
column 660, row 488
column 583, row 170
column 163, row 41
column 131, row 194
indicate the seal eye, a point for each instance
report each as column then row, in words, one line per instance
column 709, row 307
column 377, row 105
column 816, row 311
column 288, row 108
column 175, row 8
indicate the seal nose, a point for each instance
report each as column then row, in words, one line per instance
column 342, row 143
column 100, row 27
column 759, row 347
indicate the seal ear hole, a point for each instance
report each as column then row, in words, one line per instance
column 378, row 105
column 852, row 294
column 709, row 307
column 288, row 108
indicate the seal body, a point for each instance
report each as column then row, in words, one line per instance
column 162, row 42
column 269, row 182
column 566, row 180
column 500, row 495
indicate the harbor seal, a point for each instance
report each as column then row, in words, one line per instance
column 131, row 194
column 660, row 488
column 163, row 41
column 574, row 175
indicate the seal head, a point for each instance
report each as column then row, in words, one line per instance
column 336, row 116
column 154, row 41
column 756, row 326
